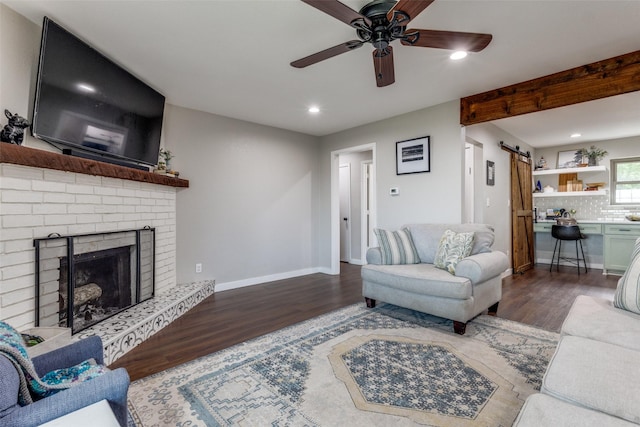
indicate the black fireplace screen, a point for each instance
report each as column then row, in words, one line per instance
column 84, row 279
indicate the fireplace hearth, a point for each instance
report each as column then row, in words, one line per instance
column 84, row 279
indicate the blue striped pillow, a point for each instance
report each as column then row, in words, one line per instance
column 397, row 247
column 628, row 291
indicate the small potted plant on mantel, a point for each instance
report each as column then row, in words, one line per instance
column 592, row 155
column 164, row 166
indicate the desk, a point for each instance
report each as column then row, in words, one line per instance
column 97, row 415
column 608, row 244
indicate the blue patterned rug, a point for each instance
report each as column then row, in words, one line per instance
column 356, row 366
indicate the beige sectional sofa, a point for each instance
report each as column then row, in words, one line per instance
column 474, row 286
column 593, row 378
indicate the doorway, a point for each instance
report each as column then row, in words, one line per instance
column 358, row 222
column 473, row 182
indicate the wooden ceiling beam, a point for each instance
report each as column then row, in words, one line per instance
column 601, row 79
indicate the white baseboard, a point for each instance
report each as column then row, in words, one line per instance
column 265, row 279
column 356, row 261
column 568, row 264
column 326, row 270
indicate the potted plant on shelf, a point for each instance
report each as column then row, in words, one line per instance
column 593, row 153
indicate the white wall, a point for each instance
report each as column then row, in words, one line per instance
column 425, row 197
column 249, row 214
column 589, row 207
column 498, row 214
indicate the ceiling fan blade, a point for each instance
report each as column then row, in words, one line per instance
column 338, row 10
column 327, row 53
column 411, row 8
column 453, row 40
column 383, row 66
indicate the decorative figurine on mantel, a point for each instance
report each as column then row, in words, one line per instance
column 542, row 164
column 13, row 132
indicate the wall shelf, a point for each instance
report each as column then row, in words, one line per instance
column 569, row 170
column 571, row 193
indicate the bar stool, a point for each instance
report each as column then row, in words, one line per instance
column 567, row 232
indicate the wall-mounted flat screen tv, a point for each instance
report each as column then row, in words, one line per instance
column 87, row 103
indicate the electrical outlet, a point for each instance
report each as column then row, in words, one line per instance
column 198, row 268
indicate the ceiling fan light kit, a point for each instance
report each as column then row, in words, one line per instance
column 382, row 21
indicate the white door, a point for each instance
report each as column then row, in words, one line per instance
column 345, row 212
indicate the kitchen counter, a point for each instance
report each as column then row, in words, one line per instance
column 607, row 245
column 593, row 221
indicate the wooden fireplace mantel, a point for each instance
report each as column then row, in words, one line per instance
column 25, row 156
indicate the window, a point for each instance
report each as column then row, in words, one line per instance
column 625, row 181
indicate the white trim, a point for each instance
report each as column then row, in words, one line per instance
column 265, row 279
column 347, row 238
column 364, row 190
column 335, row 201
column 356, row 261
column 547, row 261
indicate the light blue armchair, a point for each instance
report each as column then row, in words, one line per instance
column 112, row 386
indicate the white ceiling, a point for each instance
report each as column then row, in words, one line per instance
column 232, row 57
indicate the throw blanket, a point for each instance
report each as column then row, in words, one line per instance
column 32, row 387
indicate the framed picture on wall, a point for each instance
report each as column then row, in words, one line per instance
column 413, row 156
column 491, row 173
column 566, row 159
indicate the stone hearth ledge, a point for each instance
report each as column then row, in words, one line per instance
column 26, row 156
column 129, row 328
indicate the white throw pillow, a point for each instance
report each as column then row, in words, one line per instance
column 628, row 291
column 397, row 247
column 452, row 249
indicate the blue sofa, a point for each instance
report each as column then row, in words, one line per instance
column 112, row 386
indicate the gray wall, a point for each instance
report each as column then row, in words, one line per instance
column 249, row 213
column 424, row 197
column 498, row 213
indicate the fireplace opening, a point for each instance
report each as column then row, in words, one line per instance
column 82, row 280
column 103, row 286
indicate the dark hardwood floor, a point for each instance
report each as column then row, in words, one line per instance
column 538, row 298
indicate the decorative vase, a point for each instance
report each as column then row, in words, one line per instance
column 593, row 161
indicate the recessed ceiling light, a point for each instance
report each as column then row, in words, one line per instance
column 314, row 110
column 576, row 135
column 459, row 54
column 85, row 87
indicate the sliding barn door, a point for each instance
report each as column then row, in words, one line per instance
column 522, row 240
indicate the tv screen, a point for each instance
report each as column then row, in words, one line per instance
column 86, row 102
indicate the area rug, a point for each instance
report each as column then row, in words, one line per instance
column 356, row 367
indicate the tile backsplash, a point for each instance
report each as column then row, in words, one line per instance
column 587, row 207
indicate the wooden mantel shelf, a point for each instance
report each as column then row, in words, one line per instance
column 25, row 156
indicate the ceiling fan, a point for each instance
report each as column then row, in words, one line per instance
column 382, row 21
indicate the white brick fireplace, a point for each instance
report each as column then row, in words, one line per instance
column 35, row 202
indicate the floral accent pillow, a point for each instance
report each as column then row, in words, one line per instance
column 452, row 249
